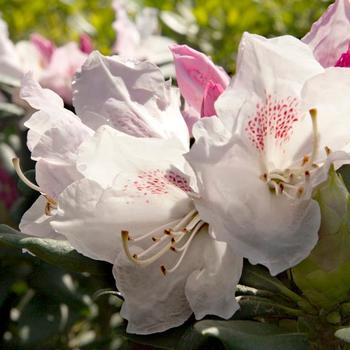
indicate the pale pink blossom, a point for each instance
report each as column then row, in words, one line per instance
column 329, row 37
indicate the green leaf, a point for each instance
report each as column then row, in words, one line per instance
column 250, row 335
column 55, row 252
column 254, row 306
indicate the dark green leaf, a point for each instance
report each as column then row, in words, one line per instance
column 254, row 306
column 59, row 253
column 250, row 335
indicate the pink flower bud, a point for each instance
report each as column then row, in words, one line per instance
column 194, row 71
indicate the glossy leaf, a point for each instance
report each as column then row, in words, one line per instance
column 59, row 253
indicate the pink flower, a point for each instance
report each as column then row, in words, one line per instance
column 200, row 81
column 329, row 37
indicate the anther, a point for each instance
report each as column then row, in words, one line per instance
column 167, row 232
column 163, row 269
column 125, row 235
column 263, row 177
column 155, row 239
column 305, row 160
column 173, row 249
column 300, row 191
column 328, row 150
column 173, row 240
column 281, row 187
column 307, row 173
column 135, row 256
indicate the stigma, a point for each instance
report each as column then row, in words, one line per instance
column 174, row 237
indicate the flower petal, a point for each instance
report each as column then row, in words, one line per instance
column 34, row 222
column 277, row 66
column 134, row 154
column 328, row 93
column 86, row 209
column 329, row 37
column 132, row 97
column 209, row 289
column 204, row 283
column 194, row 71
column 64, row 63
column 9, row 62
column 282, row 231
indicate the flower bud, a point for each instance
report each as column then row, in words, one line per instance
column 324, row 276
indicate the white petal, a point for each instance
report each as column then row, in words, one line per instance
column 36, row 96
column 110, row 152
column 210, row 290
column 328, row 93
column 9, row 61
column 268, row 229
column 34, row 222
column 204, row 283
column 277, row 66
column 92, row 218
column 131, row 97
column 329, row 37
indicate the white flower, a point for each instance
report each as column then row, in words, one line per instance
column 125, row 193
column 141, row 39
column 280, row 123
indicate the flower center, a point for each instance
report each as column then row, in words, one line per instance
column 50, row 202
column 294, row 182
column 175, row 236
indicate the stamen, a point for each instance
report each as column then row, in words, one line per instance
column 313, row 114
column 163, row 269
column 146, row 235
column 51, row 203
column 16, row 165
column 185, row 248
column 328, row 150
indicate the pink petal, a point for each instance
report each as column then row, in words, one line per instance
column 194, row 71
column 211, row 93
column 330, row 35
column 85, row 43
column 344, row 60
column 44, row 46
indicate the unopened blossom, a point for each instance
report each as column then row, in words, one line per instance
column 200, row 81
column 53, row 67
column 329, row 37
column 281, row 123
column 115, row 184
column 140, row 39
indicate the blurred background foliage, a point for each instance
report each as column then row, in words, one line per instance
column 43, row 306
column 213, row 26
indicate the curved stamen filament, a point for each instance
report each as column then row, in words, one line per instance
column 184, row 250
column 51, row 203
column 16, row 165
column 169, row 241
column 153, row 232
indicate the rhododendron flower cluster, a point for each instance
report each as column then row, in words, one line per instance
column 119, row 181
